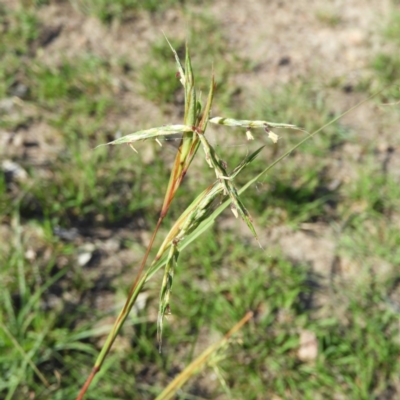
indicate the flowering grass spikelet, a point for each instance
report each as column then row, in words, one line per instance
column 248, row 124
column 166, row 287
column 153, row 133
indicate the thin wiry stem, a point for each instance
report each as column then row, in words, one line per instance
column 202, row 359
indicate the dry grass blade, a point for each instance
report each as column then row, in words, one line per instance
column 199, row 362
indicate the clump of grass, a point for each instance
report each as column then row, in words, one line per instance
column 22, row 27
column 386, row 63
column 392, row 29
column 19, row 29
column 120, row 10
column 30, row 336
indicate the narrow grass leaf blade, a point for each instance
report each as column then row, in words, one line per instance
column 245, row 162
column 190, row 93
column 207, row 109
column 26, row 357
column 194, row 367
column 237, row 202
column 181, row 71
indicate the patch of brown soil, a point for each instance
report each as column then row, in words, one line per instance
column 288, row 39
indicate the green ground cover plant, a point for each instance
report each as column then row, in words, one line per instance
column 124, row 9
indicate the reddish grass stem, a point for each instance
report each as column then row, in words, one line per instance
column 85, row 387
column 125, row 311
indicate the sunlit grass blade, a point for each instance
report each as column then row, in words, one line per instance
column 190, row 93
column 245, row 162
column 202, row 126
column 181, row 71
column 195, row 366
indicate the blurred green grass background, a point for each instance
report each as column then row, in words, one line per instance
column 60, row 202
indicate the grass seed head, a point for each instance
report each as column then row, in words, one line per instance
column 166, row 288
column 152, row 133
column 248, row 124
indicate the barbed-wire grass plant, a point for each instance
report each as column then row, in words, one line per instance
column 201, row 213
